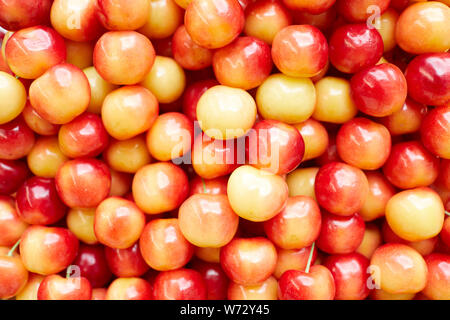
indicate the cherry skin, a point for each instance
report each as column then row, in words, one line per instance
column 410, row 165
column 12, row 174
column 212, row 23
column 122, row 14
column 275, row 147
column 380, row 90
column 297, row 225
column 207, row 220
column 317, row 284
column 93, row 266
column 163, row 19
column 406, row 120
column 38, row 124
column 248, row 261
column 83, row 183
column 300, row 51
column 245, row 63
column 435, row 132
column 48, row 250
column 16, row 139
column 189, row 54
column 81, row 223
column 267, row 290
column 118, row 223
column 314, row 7
column 29, row 292
column 163, row 246
column 46, row 157
column 160, row 187
column 192, row 94
column 11, row 225
column 350, row 273
column 55, row 287
column 32, row 51
column 13, row 274
column 126, row 263
column 19, row 14
column 13, row 96
column 38, row 202
column 340, row 188
column 445, row 232
column 437, row 287
column 129, row 289
column 293, row 259
column 208, row 186
column 370, row 141
column 215, row 279
column 315, row 137
column 354, row 47
column 428, row 77
column 380, row 191
column 85, row 136
column 398, row 268
column 339, row 235
column 371, row 241
column 358, row 10
column 181, row 284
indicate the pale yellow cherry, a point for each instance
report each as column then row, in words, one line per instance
column 79, row 53
column 386, row 27
column 371, row 241
column 416, row 214
column 127, row 155
column 208, row 254
column 301, row 182
column 13, row 97
column 226, row 113
column 164, row 17
column 334, row 101
column 166, row 80
column 286, row 99
column 256, row 195
column 81, row 223
column 267, row 290
column 46, row 157
column 29, row 292
column 100, row 88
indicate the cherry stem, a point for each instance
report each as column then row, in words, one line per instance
column 68, row 272
column 311, row 252
column 447, row 213
column 10, row 253
column 204, row 185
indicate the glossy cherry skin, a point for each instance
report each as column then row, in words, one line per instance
column 248, row 261
column 445, row 232
column 370, row 141
column 275, row 147
column 215, row 279
column 245, row 63
column 19, row 14
column 410, row 165
column 380, row 191
column 55, row 287
column 212, row 23
column 445, row 173
column 314, row 7
column 160, row 187
column 38, row 202
column 163, row 246
column 293, row 259
column 85, row 27
column 181, row 284
column 83, row 183
column 126, row 263
column 354, row 47
column 37, row 123
column 297, row 225
column 423, row 28
column 359, row 10
column 350, row 273
column 123, row 57
column 13, row 274
column 428, row 77
column 189, row 54
column 435, row 131
column 63, row 84
column 398, row 268
column 118, row 222
column 11, row 226
column 129, row 289
column 371, row 241
column 266, row 290
column 192, row 94
column 264, row 19
column 215, row 158
column 208, row 186
column 48, row 250
column 163, row 19
column 380, row 90
column 29, row 292
column 32, row 51
column 122, row 14
column 318, row 284
column 85, row 136
column 315, row 137
column 16, row 139
column 340, row 188
column 12, row 175
column 438, row 282
column 407, row 119
column 300, row 51
column 339, row 235
column 207, row 220
column 93, row 266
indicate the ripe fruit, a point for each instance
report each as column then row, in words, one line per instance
column 13, row 275
column 129, row 289
column 181, row 284
column 13, row 97
column 55, row 287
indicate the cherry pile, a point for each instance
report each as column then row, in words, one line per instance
column 224, row 149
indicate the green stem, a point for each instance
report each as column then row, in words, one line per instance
column 204, row 185
column 10, row 253
column 68, row 272
column 311, row 252
column 447, row 213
